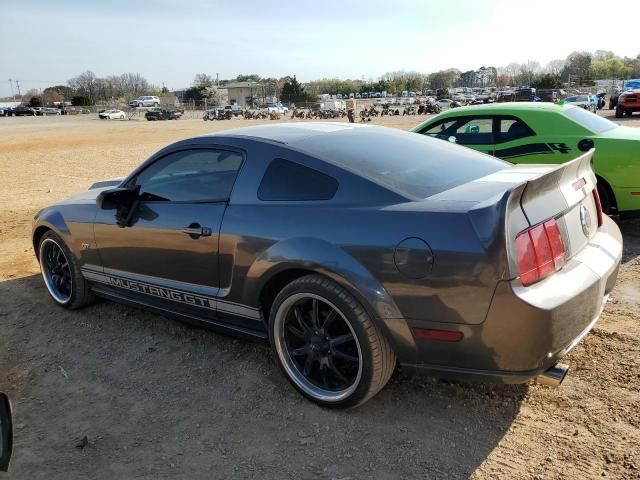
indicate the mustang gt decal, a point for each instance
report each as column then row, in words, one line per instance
column 171, row 294
column 150, row 289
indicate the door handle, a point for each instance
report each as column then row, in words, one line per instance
column 196, row 231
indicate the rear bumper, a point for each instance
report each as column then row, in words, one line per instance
column 528, row 329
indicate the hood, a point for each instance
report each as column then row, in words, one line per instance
column 92, row 193
column 113, row 182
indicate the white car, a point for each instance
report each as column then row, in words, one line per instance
column 145, row 101
column 276, row 108
column 444, row 103
column 112, row 114
column 51, row 111
column 583, row 101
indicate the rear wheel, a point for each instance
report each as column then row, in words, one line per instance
column 619, row 112
column 327, row 345
column 61, row 273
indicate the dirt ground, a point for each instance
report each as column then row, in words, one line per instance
column 158, row 399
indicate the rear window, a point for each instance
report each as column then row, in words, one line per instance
column 285, row 180
column 409, row 163
column 589, row 120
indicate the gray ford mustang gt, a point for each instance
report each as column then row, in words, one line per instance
column 351, row 249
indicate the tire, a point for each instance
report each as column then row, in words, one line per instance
column 156, row 104
column 121, row 117
column 628, row 113
column 77, row 294
column 605, row 197
column 347, row 354
column 619, row 112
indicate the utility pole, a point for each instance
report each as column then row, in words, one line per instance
column 12, row 91
column 18, row 87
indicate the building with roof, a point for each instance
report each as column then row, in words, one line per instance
column 246, row 94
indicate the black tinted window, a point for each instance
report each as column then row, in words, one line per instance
column 190, row 176
column 513, row 129
column 466, row 130
column 285, row 180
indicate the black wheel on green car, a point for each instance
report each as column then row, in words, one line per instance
column 327, row 345
column 605, row 197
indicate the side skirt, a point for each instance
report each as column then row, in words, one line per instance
column 217, row 326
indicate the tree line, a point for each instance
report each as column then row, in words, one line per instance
column 578, row 69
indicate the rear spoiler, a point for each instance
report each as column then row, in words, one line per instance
column 559, row 189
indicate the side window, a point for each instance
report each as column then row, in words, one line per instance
column 439, row 129
column 197, row 175
column 466, row 130
column 475, row 131
column 285, row 180
column 513, row 129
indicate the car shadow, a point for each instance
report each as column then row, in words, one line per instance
column 154, row 397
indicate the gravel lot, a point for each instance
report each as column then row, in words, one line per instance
column 159, row 399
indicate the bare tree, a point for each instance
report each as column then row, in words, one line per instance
column 85, row 85
column 555, row 67
column 202, row 80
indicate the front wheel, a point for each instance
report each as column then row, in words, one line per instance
column 61, row 273
column 327, row 345
column 619, row 112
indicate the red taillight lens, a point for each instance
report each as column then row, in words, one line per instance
column 555, row 242
column 539, row 252
column 596, row 199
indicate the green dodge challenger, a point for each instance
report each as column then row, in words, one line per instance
column 550, row 133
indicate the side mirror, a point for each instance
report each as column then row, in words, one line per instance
column 6, row 432
column 115, row 198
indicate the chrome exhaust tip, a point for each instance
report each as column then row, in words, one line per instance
column 554, row 376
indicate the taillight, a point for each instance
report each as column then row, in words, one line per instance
column 596, row 199
column 539, row 252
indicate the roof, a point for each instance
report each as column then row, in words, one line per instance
column 242, row 85
column 290, row 132
column 515, row 106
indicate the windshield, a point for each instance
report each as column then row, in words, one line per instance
column 632, row 85
column 589, row 120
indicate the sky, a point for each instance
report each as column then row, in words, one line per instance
column 44, row 42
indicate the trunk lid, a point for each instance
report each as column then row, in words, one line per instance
column 507, row 202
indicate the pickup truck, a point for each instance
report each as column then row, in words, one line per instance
column 628, row 102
